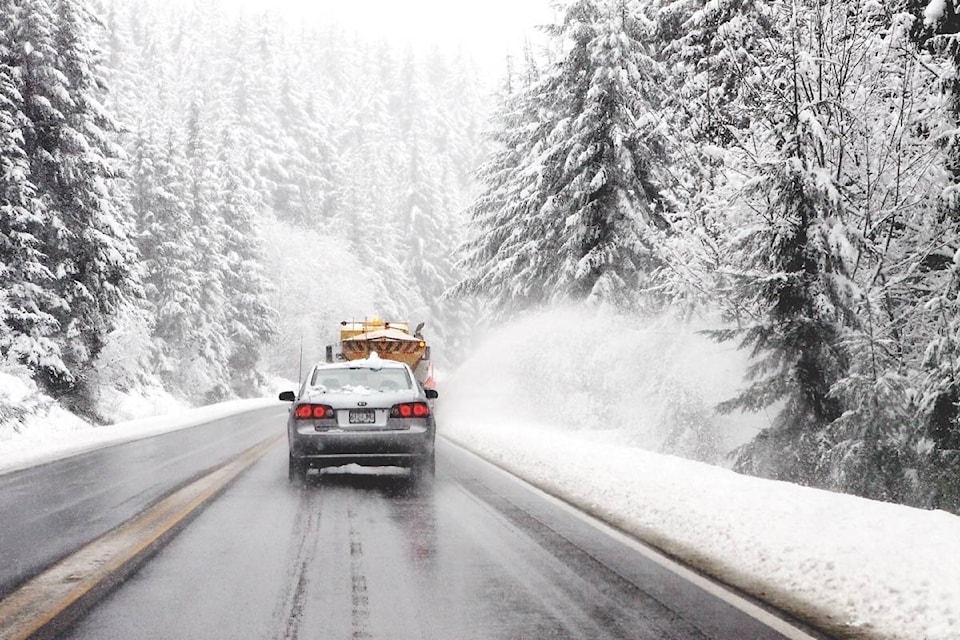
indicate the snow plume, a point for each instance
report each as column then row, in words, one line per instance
column 647, row 383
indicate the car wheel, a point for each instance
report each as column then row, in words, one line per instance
column 297, row 470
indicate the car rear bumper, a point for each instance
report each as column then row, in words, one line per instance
column 369, row 448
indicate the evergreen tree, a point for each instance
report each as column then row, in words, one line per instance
column 941, row 388
column 789, row 269
column 74, row 164
column 455, row 126
column 100, row 254
column 207, row 349
column 427, row 257
column 718, row 51
column 587, row 201
column 794, row 263
column 165, row 240
column 305, row 175
column 373, row 158
column 424, row 210
column 498, row 206
column 26, row 322
column 250, row 99
column 250, row 321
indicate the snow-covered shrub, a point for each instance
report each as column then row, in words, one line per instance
column 19, row 399
column 123, row 362
column 27, row 415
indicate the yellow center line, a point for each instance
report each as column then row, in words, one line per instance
column 57, row 596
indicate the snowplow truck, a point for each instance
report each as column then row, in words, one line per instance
column 390, row 340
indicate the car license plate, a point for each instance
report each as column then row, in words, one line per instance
column 362, row 416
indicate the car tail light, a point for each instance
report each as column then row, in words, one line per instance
column 410, row 410
column 315, row 411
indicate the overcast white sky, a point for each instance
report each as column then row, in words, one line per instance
column 487, row 29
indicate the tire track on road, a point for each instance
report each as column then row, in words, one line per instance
column 360, row 596
column 290, row 608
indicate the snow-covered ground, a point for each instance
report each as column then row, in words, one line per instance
column 886, row 570
column 49, row 433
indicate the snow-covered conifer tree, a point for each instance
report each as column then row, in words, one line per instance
column 26, row 323
column 372, row 154
column 587, row 201
column 306, row 177
column 425, row 210
column 165, row 238
column 74, row 163
column 941, row 389
column 250, row 320
column 207, row 348
column 797, row 254
column 427, row 239
column 716, row 51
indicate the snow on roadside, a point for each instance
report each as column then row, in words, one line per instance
column 843, row 561
column 852, row 565
column 29, row 420
column 64, row 435
column 48, row 432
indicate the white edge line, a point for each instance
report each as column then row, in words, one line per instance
column 714, row 588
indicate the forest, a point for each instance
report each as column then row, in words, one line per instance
column 198, row 183
column 191, row 195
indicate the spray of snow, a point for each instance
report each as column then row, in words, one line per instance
column 644, row 383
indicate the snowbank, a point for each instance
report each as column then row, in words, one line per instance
column 847, row 563
column 29, row 419
column 50, row 433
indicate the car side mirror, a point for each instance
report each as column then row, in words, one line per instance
column 288, row 396
column 432, row 394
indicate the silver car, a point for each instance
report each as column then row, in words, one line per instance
column 370, row 412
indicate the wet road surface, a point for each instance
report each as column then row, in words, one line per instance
column 51, row 510
column 474, row 555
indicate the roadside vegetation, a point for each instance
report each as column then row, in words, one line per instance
column 792, row 165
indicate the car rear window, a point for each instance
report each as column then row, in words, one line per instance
column 385, row 379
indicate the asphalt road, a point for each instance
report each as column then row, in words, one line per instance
column 51, row 510
column 474, row 555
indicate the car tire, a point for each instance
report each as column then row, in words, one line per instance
column 296, row 470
